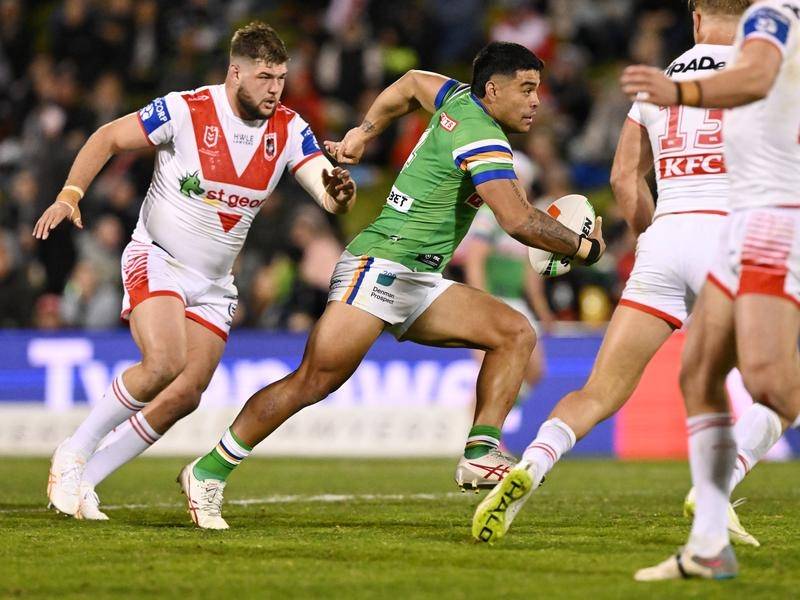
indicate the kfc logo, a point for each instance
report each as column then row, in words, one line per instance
column 696, row 164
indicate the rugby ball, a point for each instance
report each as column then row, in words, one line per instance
column 573, row 211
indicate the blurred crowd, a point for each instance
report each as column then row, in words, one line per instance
column 68, row 67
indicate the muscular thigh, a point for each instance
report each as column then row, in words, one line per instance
column 340, row 339
column 158, row 325
column 632, row 338
column 767, row 329
column 711, row 337
column 463, row 317
column 205, row 349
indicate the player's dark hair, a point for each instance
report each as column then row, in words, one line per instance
column 731, row 8
column 501, row 58
column 259, row 41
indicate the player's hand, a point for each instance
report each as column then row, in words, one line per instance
column 597, row 234
column 351, row 149
column 339, row 185
column 648, row 84
column 58, row 211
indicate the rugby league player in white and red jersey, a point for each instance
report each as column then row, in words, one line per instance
column 221, row 150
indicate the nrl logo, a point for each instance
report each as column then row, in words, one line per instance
column 211, row 136
column 190, row 184
column 270, row 145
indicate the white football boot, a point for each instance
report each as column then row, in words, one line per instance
column 89, row 506
column 483, row 472
column 63, row 483
column 684, row 566
column 497, row 511
column 738, row 533
column 203, row 497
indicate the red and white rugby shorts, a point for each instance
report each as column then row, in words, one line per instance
column 148, row 271
column 760, row 254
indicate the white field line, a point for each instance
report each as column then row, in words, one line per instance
column 274, row 499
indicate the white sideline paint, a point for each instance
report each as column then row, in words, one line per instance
column 274, row 499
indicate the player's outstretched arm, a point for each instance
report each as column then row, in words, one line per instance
column 748, row 80
column 533, row 227
column 632, row 162
column 330, row 186
column 413, row 90
column 118, row 136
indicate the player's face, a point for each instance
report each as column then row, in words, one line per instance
column 260, row 86
column 515, row 100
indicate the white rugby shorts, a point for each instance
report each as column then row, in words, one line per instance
column 760, row 254
column 673, row 257
column 386, row 289
column 148, row 270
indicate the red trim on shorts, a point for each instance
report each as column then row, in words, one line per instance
column 669, row 319
column 765, row 281
column 696, row 212
column 758, row 279
column 138, row 297
column 207, row 324
column 716, row 282
column 144, row 131
column 305, row 160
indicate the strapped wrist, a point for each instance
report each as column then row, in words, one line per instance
column 588, row 250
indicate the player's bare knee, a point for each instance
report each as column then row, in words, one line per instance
column 766, row 382
column 314, row 385
column 163, row 367
column 186, row 399
column 517, row 333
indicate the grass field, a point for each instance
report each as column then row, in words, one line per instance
column 382, row 529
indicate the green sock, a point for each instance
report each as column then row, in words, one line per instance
column 223, row 459
column 482, row 438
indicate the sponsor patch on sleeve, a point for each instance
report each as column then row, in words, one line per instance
column 767, row 23
column 154, row 115
column 310, row 144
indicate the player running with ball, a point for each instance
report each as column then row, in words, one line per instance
column 221, row 150
column 389, row 278
column 678, row 239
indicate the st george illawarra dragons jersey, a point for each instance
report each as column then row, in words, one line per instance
column 213, row 172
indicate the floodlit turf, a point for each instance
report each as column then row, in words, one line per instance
column 383, row 529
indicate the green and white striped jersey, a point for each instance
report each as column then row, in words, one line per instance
column 433, row 200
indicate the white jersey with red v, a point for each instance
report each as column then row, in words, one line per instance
column 687, row 142
column 213, row 172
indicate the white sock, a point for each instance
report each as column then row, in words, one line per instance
column 124, row 444
column 796, row 423
column 116, row 405
column 712, row 454
column 554, row 439
column 757, row 430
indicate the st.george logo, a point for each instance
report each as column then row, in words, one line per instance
column 211, row 136
column 270, row 145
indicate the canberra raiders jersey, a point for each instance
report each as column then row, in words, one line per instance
column 213, row 173
column 433, row 200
